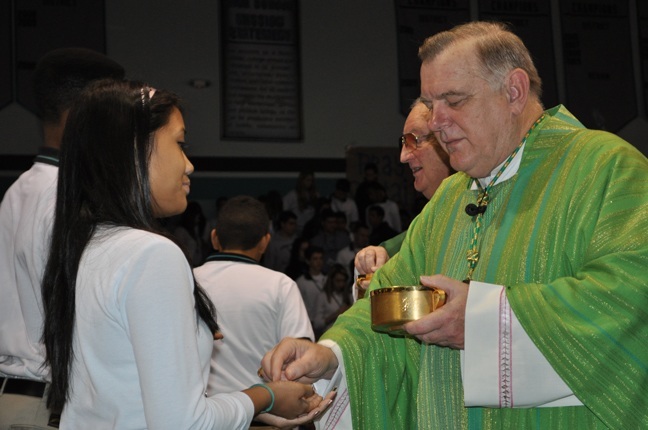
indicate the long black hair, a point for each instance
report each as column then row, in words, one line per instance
column 103, row 179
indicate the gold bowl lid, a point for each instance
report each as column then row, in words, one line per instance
column 400, row 289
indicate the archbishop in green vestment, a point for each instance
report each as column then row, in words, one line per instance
column 551, row 329
column 567, row 237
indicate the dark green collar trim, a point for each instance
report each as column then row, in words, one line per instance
column 47, row 156
column 227, row 256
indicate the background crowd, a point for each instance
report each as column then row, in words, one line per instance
column 313, row 238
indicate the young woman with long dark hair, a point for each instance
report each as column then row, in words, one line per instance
column 128, row 332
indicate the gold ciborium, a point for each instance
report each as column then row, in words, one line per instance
column 392, row 307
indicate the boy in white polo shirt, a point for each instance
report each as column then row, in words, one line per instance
column 256, row 307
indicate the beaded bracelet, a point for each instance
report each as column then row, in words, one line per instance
column 272, row 397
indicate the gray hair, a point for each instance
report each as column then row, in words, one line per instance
column 498, row 49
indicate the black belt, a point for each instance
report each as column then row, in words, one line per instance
column 30, row 388
column 24, row 387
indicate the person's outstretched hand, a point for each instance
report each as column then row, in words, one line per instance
column 317, row 406
column 298, row 360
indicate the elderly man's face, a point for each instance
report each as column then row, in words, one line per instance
column 428, row 163
column 472, row 121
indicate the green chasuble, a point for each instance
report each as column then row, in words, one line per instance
column 568, row 237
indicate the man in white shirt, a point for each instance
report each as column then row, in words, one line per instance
column 26, row 215
column 255, row 306
column 378, row 196
column 341, row 201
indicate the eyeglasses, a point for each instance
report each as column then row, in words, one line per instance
column 413, row 142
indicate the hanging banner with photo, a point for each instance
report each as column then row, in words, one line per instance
column 260, row 70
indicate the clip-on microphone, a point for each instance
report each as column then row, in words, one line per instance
column 472, row 209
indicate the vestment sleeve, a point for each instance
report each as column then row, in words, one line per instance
column 338, row 415
column 501, row 366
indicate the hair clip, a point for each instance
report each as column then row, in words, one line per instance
column 142, row 96
column 151, row 93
